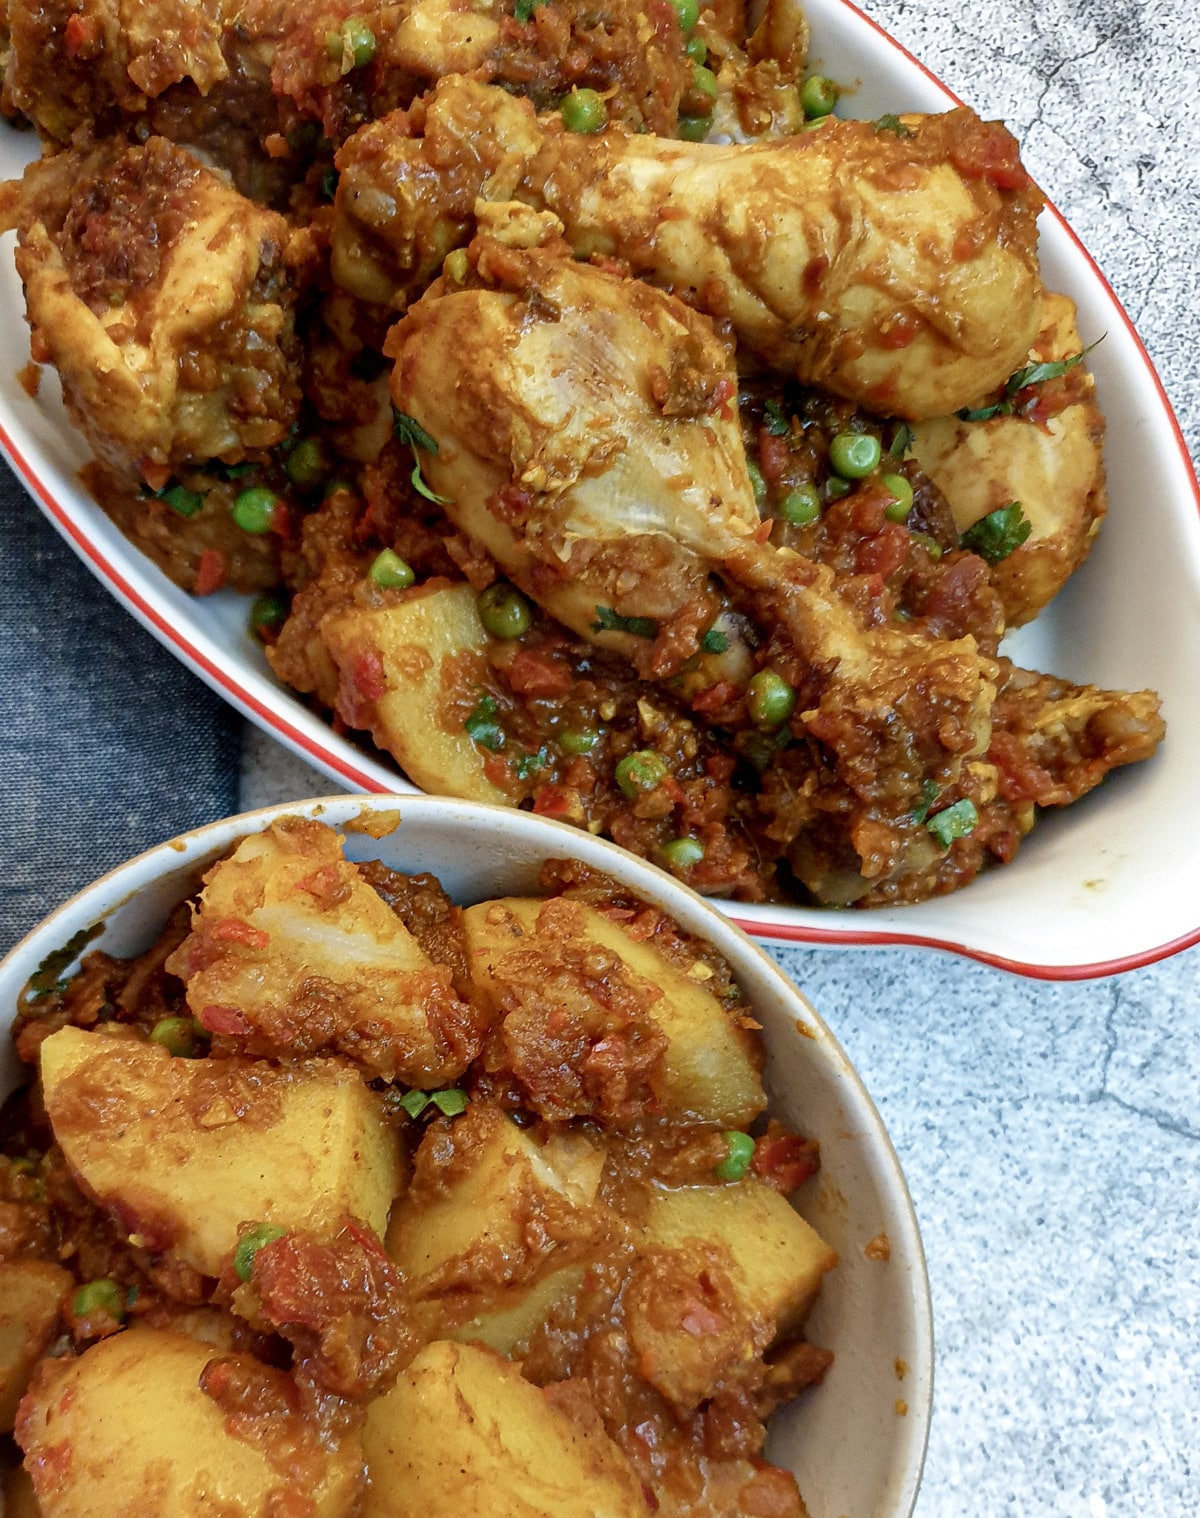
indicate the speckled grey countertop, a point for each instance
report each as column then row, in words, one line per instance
column 1050, row 1133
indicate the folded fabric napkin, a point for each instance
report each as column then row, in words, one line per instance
column 110, row 744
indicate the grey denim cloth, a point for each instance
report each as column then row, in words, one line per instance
column 109, row 744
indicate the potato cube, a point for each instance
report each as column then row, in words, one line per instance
column 709, row 1073
column 184, row 1150
column 426, row 658
column 293, row 951
column 778, row 1258
column 126, row 1428
column 31, row 1292
column 463, row 1432
column 492, row 1189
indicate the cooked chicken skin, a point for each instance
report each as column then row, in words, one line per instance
column 160, row 295
column 861, row 260
column 580, row 438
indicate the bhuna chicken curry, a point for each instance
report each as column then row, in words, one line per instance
column 342, row 1199
column 603, row 424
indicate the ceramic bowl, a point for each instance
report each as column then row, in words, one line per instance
column 1104, row 886
column 853, row 1449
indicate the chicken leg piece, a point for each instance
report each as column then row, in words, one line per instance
column 895, row 267
column 586, row 437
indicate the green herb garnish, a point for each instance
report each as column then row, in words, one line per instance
column 996, row 535
column 776, row 419
column 406, row 429
column 419, row 485
column 901, row 440
column 607, row 620
column 956, row 821
column 523, row 9
column 482, row 728
column 45, row 979
column 529, row 764
column 450, row 1102
column 714, row 641
column 891, row 123
column 929, row 794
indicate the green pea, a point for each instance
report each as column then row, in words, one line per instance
column 770, row 700
column 254, row 509
column 360, row 39
column 338, row 487
column 801, row 506
column 818, row 96
column 584, row 111
column 504, row 611
column 931, row 545
column 757, row 484
column 740, row 1151
column 695, row 128
column 181, row 1036
column 683, row 853
column 704, row 81
column 103, row 1295
column 639, row 772
column 835, row 489
column 308, row 464
column 855, row 454
column 578, row 740
column 902, row 498
column 457, row 266
column 249, row 1245
column 688, row 12
column 390, row 572
column 268, row 612
column 697, row 49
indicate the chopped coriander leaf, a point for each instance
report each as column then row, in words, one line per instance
column 529, row 764
column 929, row 794
column 45, row 979
column 182, row 501
column 891, row 123
column 956, row 821
column 523, row 9
column 249, row 1245
column 406, row 429
column 607, row 620
column 775, row 419
column 482, row 728
column 984, row 413
column 103, row 1295
column 414, row 1103
column 450, row 1102
column 422, row 488
column 902, row 440
column 714, row 641
column 1034, row 374
column 996, row 535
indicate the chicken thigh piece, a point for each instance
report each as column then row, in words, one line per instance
column 894, row 266
column 163, row 298
column 586, row 435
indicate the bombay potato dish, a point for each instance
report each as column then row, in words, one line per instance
column 604, row 424
column 343, row 1200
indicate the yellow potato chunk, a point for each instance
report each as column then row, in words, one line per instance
column 30, row 1294
column 292, row 942
column 428, row 652
column 463, row 1432
column 184, row 1150
column 778, row 1258
column 1054, row 469
column 131, row 1425
column 709, row 1071
column 491, row 1189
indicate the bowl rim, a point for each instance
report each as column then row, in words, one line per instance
column 314, row 741
column 96, row 902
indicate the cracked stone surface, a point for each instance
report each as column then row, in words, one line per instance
column 1050, row 1133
